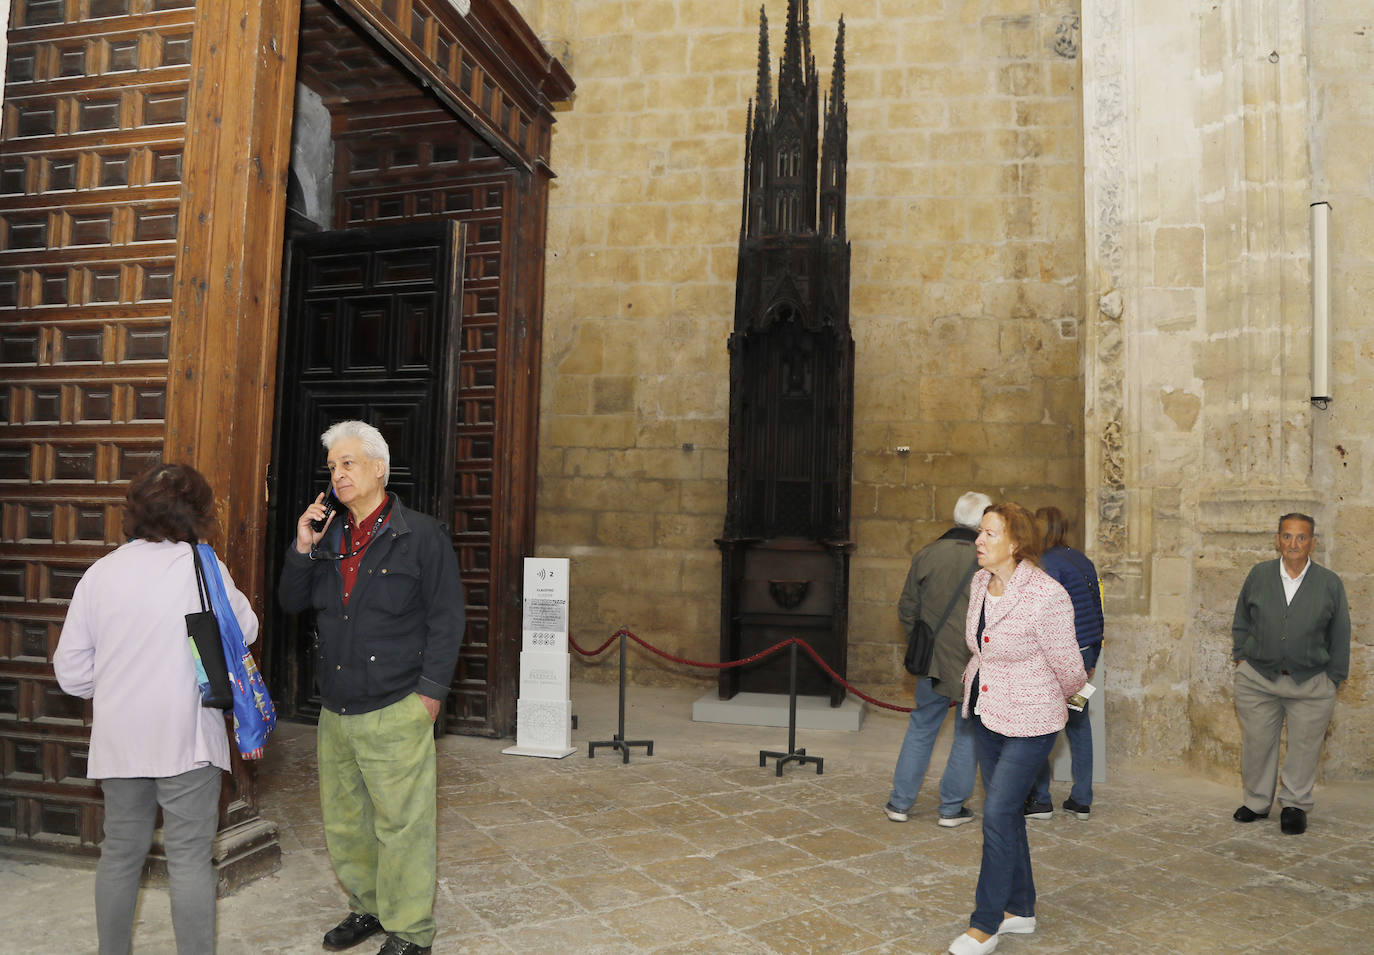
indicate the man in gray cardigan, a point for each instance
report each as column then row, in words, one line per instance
column 938, row 582
column 1291, row 649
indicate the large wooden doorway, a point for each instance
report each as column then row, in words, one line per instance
column 143, row 167
column 422, row 130
column 370, row 331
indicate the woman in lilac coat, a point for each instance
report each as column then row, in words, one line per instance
column 153, row 745
column 1025, row 665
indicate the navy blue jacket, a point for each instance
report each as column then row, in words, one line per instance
column 403, row 626
column 1076, row 574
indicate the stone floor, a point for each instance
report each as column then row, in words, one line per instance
column 697, row 849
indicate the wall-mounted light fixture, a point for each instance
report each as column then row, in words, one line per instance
column 1321, row 304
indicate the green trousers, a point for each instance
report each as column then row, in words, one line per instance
column 377, row 794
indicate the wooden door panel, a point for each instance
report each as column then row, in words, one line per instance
column 94, row 127
column 370, row 331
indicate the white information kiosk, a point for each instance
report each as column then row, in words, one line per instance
column 543, row 724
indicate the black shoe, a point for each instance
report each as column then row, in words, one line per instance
column 1293, row 821
column 1077, row 808
column 352, row 930
column 1246, row 814
column 399, row 946
column 1038, row 810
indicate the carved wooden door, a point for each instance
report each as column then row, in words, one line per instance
column 370, row 332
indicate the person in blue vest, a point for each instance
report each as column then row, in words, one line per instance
column 1290, row 644
column 1076, row 574
column 384, row 583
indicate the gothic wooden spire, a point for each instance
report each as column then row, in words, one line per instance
column 837, row 70
column 764, row 94
column 793, row 162
column 790, row 76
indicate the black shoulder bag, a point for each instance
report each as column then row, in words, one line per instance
column 920, row 646
column 203, row 630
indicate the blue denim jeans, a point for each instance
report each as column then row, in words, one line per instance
column 1079, row 733
column 1005, row 882
column 956, row 784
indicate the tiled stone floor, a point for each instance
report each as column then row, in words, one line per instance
column 697, row 850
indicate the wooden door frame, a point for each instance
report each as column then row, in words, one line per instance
column 222, row 364
column 226, row 301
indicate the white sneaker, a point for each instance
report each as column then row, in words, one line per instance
column 966, row 944
column 1017, row 925
column 896, row 815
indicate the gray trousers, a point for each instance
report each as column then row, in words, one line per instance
column 1262, row 706
column 190, row 816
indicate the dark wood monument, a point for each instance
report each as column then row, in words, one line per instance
column 785, row 548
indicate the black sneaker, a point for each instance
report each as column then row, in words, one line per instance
column 965, row 814
column 1038, row 810
column 1077, row 808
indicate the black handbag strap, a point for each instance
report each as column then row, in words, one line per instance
column 949, row 608
column 201, row 587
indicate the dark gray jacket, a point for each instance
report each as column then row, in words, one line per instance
column 1304, row 638
column 936, row 573
column 403, row 625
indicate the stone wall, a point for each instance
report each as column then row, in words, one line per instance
column 1341, row 52
column 1208, row 131
column 981, row 178
column 965, row 197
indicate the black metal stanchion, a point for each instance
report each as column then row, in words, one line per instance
column 792, row 754
column 618, row 741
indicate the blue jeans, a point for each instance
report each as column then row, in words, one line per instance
column 956, row 784
column 1079, row 733
column 1005, row 882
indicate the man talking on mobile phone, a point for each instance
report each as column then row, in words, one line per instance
column 384, row 583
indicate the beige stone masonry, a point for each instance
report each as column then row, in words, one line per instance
column 1080, row 277
column 965, row 138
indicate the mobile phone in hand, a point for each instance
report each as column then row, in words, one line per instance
column 331, row 504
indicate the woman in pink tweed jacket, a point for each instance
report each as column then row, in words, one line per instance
column 1025, row 664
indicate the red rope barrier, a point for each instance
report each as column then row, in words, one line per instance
column 598, row 650
column 739, row 663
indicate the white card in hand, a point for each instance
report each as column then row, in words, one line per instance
column 1080, row 699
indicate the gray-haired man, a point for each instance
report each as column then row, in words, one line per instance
column 936, row 585
column 1291, row 648
column 384, row 583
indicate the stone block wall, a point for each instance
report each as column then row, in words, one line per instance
column 1342, row 59
column 1208, row 131
column 1158, row 390
column 965, row 196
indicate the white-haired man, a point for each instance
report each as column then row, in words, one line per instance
column 384, row 584
column 936, row 591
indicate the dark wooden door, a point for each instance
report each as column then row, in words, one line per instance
column 370, row 331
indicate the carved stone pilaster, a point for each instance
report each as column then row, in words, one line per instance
column 1108, row 225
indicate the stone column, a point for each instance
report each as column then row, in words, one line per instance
column 1197, row 424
